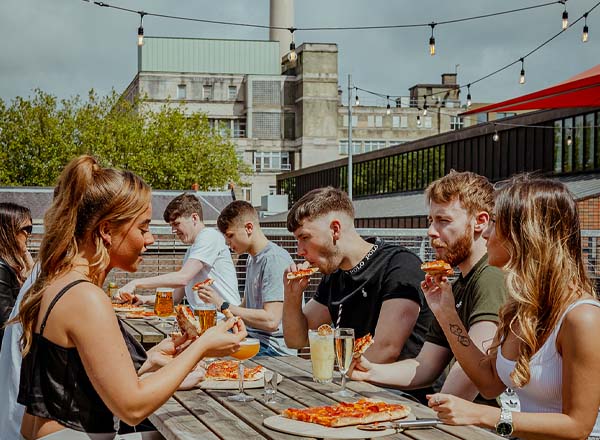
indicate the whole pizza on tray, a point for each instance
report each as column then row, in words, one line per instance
column 228, row 370
column 363, row 411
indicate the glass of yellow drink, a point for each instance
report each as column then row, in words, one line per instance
column 249, row 348
column 322, row 356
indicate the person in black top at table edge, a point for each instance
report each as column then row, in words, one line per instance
column 15, row 260
column 361, row 277
column 98, row 221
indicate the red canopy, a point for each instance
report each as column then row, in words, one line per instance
column 582, row 90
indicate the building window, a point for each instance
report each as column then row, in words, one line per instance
column 374, row 145
column 247, row 194
column 456, row 123
column 378, row 121
column 272, row 161
column 400, row 122
column 370, row 121
column 343, row 147
column 272, row 190
column 482, row 117
column 207, row 92
column 232, row 93
column 181, row 91
column 354, row 120
column 427, row 122
column 239, row 128
column 505, row 115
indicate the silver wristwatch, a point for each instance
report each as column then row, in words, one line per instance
column 504, row 427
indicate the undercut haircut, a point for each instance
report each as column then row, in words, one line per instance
column 183, row 205
column 237, row 212
column 474, row 192
column 317, row 203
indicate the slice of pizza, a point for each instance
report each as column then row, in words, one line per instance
column 187, row 321
column 437, row 267
column 363, row 411
column 228, row 370
column 301, row 273
column 361, row 345
column 205, row 283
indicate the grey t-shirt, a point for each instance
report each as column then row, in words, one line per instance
column 264, row 283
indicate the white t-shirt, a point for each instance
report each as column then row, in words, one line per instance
column 11, row 412
column 210, row 248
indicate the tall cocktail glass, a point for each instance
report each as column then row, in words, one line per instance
column 248, row 349
column 322, row 356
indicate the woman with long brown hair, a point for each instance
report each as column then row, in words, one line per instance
column 15, row 260
column 547, row 347
column 99, row 220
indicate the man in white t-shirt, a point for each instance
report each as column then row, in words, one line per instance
column 207, row 257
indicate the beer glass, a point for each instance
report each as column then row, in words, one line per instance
column 344, row 346
column 270, row 377
column 322, row 356
column 249, row 348
column 163, row 305
column 207, row 316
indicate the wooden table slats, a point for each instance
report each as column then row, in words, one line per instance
column 208, row 414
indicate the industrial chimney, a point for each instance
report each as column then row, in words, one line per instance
column 281, row 15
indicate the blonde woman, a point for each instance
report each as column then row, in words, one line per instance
column 99, row 220
column 547, row 346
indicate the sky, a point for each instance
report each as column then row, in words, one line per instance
column 67, row 47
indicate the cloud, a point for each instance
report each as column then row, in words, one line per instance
column 67, row 47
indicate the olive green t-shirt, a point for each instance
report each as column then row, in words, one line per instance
column 478, row 297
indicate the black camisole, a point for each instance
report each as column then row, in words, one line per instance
column 55, row 385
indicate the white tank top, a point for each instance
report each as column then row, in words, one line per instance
column 543, row 393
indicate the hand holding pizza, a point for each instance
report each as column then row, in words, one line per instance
column 360, row 369
column 293, row 285
column 209, row 295
column 438, row 293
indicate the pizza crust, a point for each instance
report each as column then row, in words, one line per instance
column 187, row 322
column 437, row 267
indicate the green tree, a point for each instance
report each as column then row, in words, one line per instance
column 169, row 149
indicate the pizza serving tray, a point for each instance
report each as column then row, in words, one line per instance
column 296, row 427
column 233, row 384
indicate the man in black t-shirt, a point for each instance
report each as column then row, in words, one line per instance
column 370, row 286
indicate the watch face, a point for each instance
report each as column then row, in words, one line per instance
column 504, row 429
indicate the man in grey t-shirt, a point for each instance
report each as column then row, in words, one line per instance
column 262, row 306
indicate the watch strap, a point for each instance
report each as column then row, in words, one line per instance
column 224, row 306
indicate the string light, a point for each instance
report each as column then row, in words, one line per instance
column 432, row 40
column 425, row 107
column 584, row 36
column 389, row 109
column 569, row 139
column 496, row 136
column 356, row 101
column 522, row 77
column 418, row 120
column 140, row 39
column 468, row 95
column 292, row 56
column 565, row 16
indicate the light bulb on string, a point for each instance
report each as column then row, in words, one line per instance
column 418, row 120
column 469, row 95
column 565, row 16
column 522, row 77
column 140, row 38
column 432, row 41
column 584, row 36
column 389, row 109
column 425, row 107
column 496, row 136
column 569, row 139
column 292, row 56
column 356, row 101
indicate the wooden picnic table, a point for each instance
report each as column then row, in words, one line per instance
column 146, row 331
column 207, row 414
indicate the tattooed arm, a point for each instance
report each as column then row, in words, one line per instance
column 480, row 368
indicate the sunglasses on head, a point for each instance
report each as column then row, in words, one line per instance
column 28, row 229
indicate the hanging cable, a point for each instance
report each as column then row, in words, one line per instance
column 565, row 16
column 432, row 40
column 584, row 35
column 522, row 76
column 140, row 39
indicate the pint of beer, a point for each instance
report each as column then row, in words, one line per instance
column 163, row 306
column 207, row 316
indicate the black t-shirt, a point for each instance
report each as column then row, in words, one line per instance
column 386, row 272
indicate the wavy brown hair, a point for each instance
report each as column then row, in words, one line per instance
column 85, row 196
column 538, row 220
column 12, row 219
